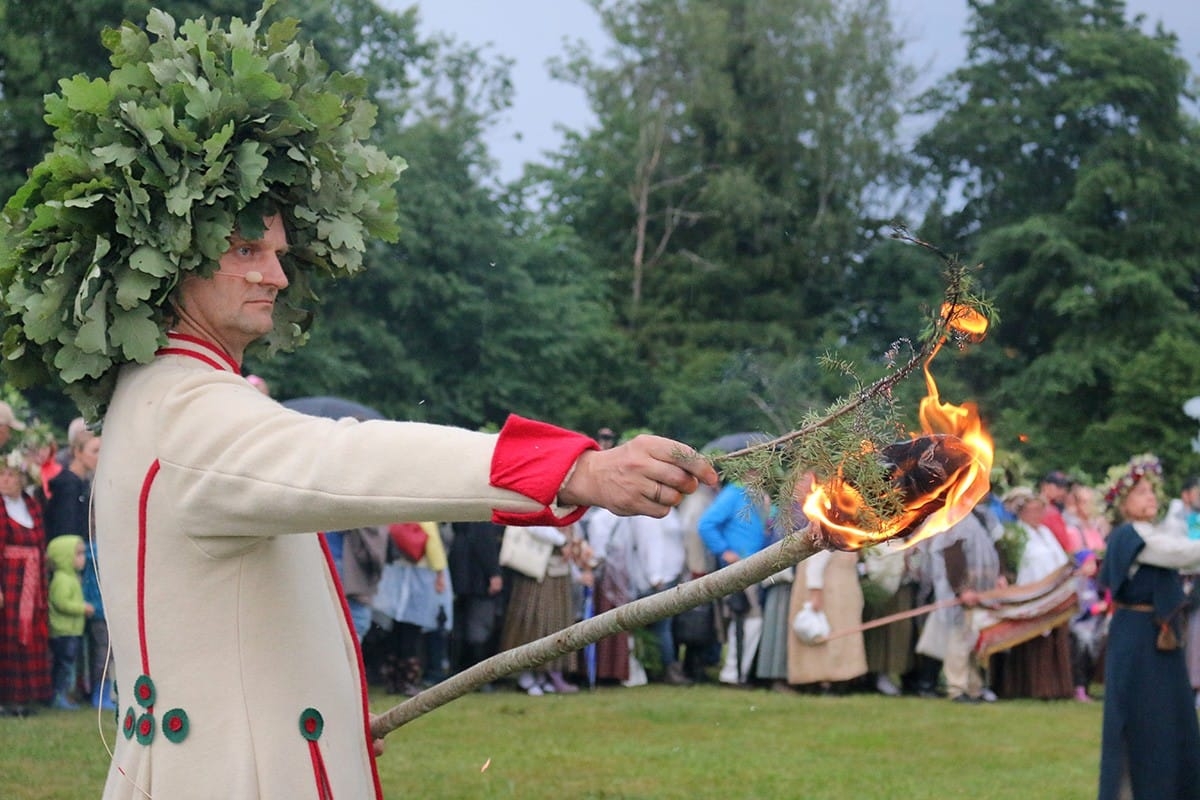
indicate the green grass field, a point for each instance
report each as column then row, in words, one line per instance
column 662, row 743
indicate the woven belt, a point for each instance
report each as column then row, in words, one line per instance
column 1143, row 607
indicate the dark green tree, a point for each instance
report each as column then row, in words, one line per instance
column 1066, row 139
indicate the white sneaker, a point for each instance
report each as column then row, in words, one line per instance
column 988, row 696
column 534, row 691
column 526, row 681
column 884, row 685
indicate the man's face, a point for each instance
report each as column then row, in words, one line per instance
column 1052, row 492
column 88, row 452
column 237, row 304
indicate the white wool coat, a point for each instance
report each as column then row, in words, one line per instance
column 236, row 667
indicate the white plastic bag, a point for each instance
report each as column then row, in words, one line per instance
column 810, row 625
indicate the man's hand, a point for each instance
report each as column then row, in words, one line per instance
column 648, row 475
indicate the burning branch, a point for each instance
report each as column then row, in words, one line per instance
column 861, row 471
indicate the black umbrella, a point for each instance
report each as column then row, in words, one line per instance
column 332, row 407
column 734, row 441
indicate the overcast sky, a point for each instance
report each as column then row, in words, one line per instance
column 533, row 31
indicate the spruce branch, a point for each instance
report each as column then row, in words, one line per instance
column 847, row 437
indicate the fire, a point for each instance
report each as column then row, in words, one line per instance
column 942, row 472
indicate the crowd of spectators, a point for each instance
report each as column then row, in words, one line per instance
column 428, row 600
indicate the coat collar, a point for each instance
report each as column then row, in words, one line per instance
column 181, row 344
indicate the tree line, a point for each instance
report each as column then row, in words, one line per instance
column 683, row 264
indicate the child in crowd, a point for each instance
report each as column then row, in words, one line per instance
column 1089, row 625
column 65, row 556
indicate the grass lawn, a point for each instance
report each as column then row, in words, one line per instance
column 663, row 743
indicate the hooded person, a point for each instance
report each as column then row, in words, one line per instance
column 65, row 556
column 176, row 223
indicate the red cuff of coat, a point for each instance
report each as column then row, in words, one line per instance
column 533, row 458
column 543, row 517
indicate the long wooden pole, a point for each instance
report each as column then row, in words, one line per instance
column 630, row 616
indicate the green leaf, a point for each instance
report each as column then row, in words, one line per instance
column 133, row 286
column 73, row 364
column 91, row 337
column 82, row 95
column 136, row 334
column 151, row 261
column 215, row 144
column 342, row 232
column 251, row 164
column 117, row 154
column 183, row 193
column 44, row 314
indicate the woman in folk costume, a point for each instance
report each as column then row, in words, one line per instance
column 1151, row 741
column 828, row 580
column 1040, row 667
column 24, row 613
column 611, row 541
column 142, row 258
column 541, row 606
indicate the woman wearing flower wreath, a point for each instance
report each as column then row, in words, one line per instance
column 1151, row 740
column 24, row 613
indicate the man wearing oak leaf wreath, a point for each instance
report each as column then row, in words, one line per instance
column 238, row 671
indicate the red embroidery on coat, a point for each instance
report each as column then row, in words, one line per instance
column 179, row 351
column 362, row 672
column 143, row 501
column 207, row 345
column 320, row 774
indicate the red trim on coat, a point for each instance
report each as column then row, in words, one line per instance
column 143, row 501
column 320, row 774
column 362, row 670
column 543, row 517
column 179, row 351
column 533, row 459
column 216, row 350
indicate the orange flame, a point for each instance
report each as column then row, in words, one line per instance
column 952, row 498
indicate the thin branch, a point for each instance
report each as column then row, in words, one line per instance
column 880, row 387
column 956, row 299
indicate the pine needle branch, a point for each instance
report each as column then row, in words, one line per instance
column 847, row 436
